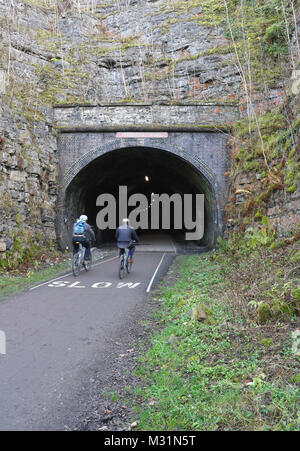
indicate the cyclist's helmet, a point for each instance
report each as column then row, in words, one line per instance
column 83, row 218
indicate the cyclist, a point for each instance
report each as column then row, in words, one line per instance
column 83, row 233
column 125, row 235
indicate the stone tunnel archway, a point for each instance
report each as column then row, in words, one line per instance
column 183, row 147
column 171, row 169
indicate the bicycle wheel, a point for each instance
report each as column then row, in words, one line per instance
column 76, row 264
column 129, row 265
column 121, row 268
column 88, row 264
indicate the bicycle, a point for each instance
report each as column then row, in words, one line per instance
column 125, row 263
column 78, row 261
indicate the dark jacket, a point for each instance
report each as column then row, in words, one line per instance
column 125, row 235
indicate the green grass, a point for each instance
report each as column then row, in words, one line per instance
column 17, row 281
column 225, row 373
column 13, row 284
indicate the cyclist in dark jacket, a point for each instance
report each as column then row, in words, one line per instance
column 84, row 238
column 125, row 236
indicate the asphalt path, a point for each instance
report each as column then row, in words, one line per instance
column 56, row 332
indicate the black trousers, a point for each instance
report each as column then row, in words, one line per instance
column 131, row 250
column 85, row 243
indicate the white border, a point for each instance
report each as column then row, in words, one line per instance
column 153, row 277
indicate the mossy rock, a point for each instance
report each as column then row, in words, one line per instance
column 197, row 313
column 264, row 313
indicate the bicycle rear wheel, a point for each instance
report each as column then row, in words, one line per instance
column 88, row 264
column 129, row 266
column 76, row 264
column 121, row 268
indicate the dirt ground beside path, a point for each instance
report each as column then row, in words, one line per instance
column 100, row 408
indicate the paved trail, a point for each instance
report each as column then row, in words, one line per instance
column 56, row 332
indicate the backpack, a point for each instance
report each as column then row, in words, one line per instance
column 79, row 228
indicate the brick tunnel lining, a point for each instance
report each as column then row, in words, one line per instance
column 168, row 173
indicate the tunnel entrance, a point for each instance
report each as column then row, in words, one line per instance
column 146, row 171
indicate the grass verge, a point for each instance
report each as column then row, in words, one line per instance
column 13, row 284
column 228, row 372
column 26, row 277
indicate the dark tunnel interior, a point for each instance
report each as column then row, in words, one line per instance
column 141, row 170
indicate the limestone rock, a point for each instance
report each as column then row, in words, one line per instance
column 198, row 314
column 2, row 82
column 172, row 339
column 9, row 244
column 295, row 88
column 2, row 246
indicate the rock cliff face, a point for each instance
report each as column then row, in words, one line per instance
column 62, row 52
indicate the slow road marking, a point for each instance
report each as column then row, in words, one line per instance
column 97, row 285
column 60, row 283
column 69, row 274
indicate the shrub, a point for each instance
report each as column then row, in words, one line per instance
column 264, row 313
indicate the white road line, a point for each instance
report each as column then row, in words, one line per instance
column 152, row 280
column 69, row 274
